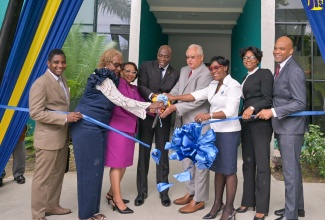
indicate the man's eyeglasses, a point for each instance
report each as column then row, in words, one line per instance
column 129, row 71
column 192, row 57
column 215, row 67
column 251, row 58
column 116, row 65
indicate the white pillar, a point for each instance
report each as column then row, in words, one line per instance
column 135, row 31
column 267, row 40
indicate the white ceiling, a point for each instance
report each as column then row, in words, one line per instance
column 196, row 17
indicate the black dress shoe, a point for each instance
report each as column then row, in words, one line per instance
column 165, row 201
column 140, row 199
column 20, row 179
column 239, row 210
column 257, row 218
column 280, row 212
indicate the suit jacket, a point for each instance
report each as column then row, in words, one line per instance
column 257, row 90
column 199, row 79
column 289, row 96
column 51, row 128
column 150, row 81
column 122, row 119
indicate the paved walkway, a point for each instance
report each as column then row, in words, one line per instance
column 15, row 199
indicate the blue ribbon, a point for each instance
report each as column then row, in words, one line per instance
column 163, row 98
column 187, row 142
column 156, row 155
column 302, row 113
column 182, row 177
column 162, row 186
column 85, row 117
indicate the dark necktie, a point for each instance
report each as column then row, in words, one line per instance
column 277, row 70
column 190, row 74
column 162, row 72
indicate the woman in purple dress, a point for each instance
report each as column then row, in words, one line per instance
column 120, row 149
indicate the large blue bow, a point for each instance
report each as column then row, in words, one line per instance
column 187, row 142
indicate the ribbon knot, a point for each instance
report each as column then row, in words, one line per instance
column 187, row 142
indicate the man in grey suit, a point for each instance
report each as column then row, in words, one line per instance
column 50, row 93
column 193, row 77
column 289, row 96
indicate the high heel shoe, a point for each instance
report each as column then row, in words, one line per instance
column 127, row 210
column 209, row 216
column 239, row 210
column 110, row 198
column 232, row 216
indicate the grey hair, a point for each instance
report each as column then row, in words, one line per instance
column 198, row 47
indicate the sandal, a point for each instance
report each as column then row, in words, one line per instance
column 99, row 216
column 110, row 198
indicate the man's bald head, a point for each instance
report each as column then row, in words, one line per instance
column 283, row 49
column 164, row 56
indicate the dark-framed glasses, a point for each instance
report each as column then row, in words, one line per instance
column 216, row 67
column 116, row 64
column 129, row 71
column 251, row 58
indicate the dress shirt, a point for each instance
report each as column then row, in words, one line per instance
column 248, row 74
column 109, row 89
column 163, row 72
column 281, row 65
column 226, row 100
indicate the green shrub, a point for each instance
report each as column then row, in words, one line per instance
column 313, row 152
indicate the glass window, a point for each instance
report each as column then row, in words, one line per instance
column 110, row 18
column 289, row 11
column 291, row 20
column 319, row 103
column 318, row 64
column 301, row 37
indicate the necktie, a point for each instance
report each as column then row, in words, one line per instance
column 277, row 70
column 162, row 72
column 63, row 87
column 190, row 74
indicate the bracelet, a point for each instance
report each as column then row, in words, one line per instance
column 211, row 115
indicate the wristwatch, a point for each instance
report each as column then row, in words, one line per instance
column 251, row 108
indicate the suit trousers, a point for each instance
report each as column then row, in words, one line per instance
column 146, row 134
column 199, row 183
column 47, row 179
column 256, row 137
column 89, row 144
column 290, row 149
column 19, row 160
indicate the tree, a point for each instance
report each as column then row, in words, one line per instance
column 82, row 53
column 121, row 8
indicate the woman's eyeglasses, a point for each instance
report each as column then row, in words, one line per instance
column 215, row 67
column 129, row 71
column 116, row 65
column 251, row 58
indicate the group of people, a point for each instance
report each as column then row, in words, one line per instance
column 197, row 93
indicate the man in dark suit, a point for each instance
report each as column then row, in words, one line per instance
column 155, row 77
column 50, row 93
column 289, row 96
